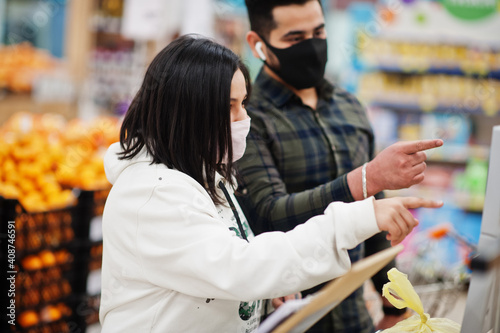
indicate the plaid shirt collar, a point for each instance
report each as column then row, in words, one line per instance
column 279, row 94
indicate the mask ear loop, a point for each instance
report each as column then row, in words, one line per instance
column 258, row 49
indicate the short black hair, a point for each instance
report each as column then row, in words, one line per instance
column 260, row 14
column 182, row 112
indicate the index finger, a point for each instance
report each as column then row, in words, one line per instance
column 412, row 147
column 414, row 202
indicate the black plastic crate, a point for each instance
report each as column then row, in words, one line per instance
column 86, row 309
column 88, row 252
column 73, row 231
column 89, row 215
column 37, row 268
column 88, row 257
column 87, row 266
column 38, row 231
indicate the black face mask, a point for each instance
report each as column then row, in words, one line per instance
column 302, row 65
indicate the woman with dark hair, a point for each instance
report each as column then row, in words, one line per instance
column 179, row 255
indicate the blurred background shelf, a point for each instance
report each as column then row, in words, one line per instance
column 493, row 74
column 422, row 108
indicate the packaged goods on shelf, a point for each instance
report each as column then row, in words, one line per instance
column 115, row 75
column 432, row 92
column 385, row 126
column 403, row 56
column 454, row 129
column 470, row 185
column 409, row 127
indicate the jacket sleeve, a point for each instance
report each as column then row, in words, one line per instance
column 183, row 246
column 265, row 199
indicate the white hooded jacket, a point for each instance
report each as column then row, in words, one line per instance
column 173, row 261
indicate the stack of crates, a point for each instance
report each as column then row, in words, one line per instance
column 37, row 269
column 54, row 260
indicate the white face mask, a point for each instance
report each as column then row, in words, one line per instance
column 239, row 132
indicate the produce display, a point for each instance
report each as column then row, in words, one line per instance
column 43, row 157
column 20, row 64
column 53, row 188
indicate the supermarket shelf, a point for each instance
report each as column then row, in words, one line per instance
column 407, row 107
column 494, row 74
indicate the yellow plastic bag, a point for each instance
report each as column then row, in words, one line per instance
column 401, row 294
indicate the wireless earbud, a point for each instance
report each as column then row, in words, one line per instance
column 258, row 48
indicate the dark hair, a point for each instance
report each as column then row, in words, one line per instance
column 181, row 113
column 260, row 14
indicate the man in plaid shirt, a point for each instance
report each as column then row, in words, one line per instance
column 311, row 143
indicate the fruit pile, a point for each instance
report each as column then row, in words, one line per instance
column 19, row 65
column 43, row 157
column 85, row 145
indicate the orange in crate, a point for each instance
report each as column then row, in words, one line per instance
column 64, row 309
column 50, row 313
column 48, row 258
column 63, row 256
column 32, row 262
column 28, row 318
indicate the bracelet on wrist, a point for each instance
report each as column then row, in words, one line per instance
column 363, row 178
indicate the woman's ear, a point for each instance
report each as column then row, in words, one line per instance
column 256, row 45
